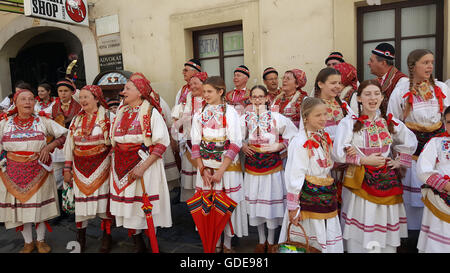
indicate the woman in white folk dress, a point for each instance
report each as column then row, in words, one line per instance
column 311, row 191
column 433, row 169
column 376, row 147
column 139, row 137
column 216, row 142
column 265, row 190
column 28, row 190
column 88, row 161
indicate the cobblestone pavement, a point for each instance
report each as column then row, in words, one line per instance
column 180, row 238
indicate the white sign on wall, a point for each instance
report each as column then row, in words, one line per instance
column 66, row 11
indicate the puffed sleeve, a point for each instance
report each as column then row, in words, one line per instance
column 426, row 166
column 342, row 140
column 234, row 132
column 69, row 146
column 2, row 126
column 196, row 136
column 445, row 90
column 396, row 101
column 244, row 128
column 160, row 134
column 55, row 130
column 296, row 169
column 404, row 143
column 285, row 127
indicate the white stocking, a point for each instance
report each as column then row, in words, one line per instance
column 261, row 234
column 26, row 233
column 40, row 232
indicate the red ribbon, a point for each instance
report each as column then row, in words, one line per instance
column 410, row 96
column 310, row 144
column 46, row 225
column 44, row 114
column 361, row 118
column 19, row 228
column 390, row 119
column 131, row 232
column 106, row 225
column 344, row 106
column 440, row 96
column 329, row 141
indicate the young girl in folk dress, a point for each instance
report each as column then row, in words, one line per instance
column 139, row 137
column 182, row 130
column 311, row 197
column 328, row 87
column 28, row 189
column 264, row 185
column 216, row 142
column 375, row 147
column 433, row 169
column 419, row 103
column 88, row 162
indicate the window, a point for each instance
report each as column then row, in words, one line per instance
column 407, row 25
column 220, row 51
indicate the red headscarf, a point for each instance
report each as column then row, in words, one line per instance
column 18, row 92
column 143, row 85
column 202, row 76
column 98, row 94
column 300, row 77
column 348, row 74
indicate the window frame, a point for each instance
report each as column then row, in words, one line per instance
column 398, row 6
column 221, row 57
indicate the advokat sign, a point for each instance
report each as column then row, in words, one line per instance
column 66, row 11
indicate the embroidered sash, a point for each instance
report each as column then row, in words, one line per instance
column 87, row 163
column 318, row 198
column 358, row 179
column 125, row 158
column 424, row 134
column 263, row 163
column 24, row 175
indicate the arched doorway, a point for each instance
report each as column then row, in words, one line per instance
column 34, row 51
column 45, row 58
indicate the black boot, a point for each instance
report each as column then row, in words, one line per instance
column 81, row 238
column 106, row 243
column 139, row 244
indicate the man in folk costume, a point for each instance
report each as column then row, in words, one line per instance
column 270, row 78
column 88, row 163
column 63, row 111
column 334, row 58
column 190, row 68
column 139, row 137
column 239, row 96
column 381, row 64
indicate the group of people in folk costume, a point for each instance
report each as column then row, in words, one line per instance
column 352, row 163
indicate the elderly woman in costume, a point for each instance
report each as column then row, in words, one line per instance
column 88, row 163
column 28, row 191
column 139, row 137
column 288, row 103
column 182, row 130
column 418, row 102
column 172, row 162
column 264, row 185
column 376, row 147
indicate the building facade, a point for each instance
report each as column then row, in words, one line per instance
column 158, row 37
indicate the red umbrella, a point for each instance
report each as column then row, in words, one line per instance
column 200, row 206
column 221, row 211
column 147, row 208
